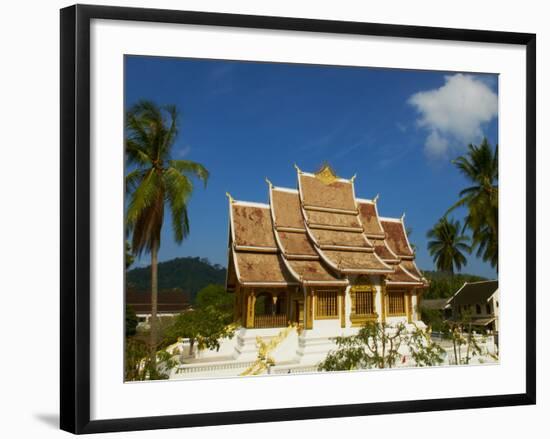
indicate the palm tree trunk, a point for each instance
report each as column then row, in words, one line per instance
column 154, row 302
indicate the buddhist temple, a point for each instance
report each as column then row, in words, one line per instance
column 319, row 257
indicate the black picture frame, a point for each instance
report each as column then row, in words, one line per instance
column 75, row 217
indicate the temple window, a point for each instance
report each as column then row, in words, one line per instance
column 396, row 303
column 364, row 302
column 478, row 309
column 326, row 304
column 488, row 308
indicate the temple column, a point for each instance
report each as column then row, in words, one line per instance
column 288, row 306
column 408, row 305
column 418, row 301
column 342, row 297
column 251, row 302
column 308, row 311
column 383, row 301
column 244, row 306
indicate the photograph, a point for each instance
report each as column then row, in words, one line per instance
column 285, row 218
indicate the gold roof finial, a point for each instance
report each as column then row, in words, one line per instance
column 297, row 168
column 376, row 198
column 268, row 182
column 352, row 179
column 228, row 195
column 403, row 217
column 326, row 174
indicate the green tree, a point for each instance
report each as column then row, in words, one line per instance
column 433, row 318
column 460, row 333
column 135, row 359
column 202, row 326
column 423, row 350
column 378, row 345
column 447, row 244
column 375, row 345
column 128, row 257
column 208, row 322
column 480, row 166
column 217, row 297
column 131, row 321
column 138, row 365
column 156, row 182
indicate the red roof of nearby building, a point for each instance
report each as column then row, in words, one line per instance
column 169, row 301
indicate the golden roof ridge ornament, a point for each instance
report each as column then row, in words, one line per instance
column 376, row 198
column 403, row 217
column 268, row 182
column 352, row 179
column 228, row 195
column 298, row 169
column 326, row 174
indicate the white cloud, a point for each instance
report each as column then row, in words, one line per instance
column 183, row 152
column 454, row 113
column 436, row 146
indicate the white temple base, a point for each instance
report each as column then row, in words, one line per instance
column 297, row 353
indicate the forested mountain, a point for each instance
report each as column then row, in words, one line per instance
column 193, row 274
column 189, row 274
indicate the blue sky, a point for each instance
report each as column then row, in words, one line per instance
column 396, row 129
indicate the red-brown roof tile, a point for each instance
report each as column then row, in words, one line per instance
column 312, row 271
column 402, row 277
column 369, row 218
column 317, row 218
column 286, row 208
column 296, row 243
column 366, row 262
column 336, row 195
column 252, row 226
column 411, row 267
column 262, row 268
column 382, row 250
column 396, row 238
column 340, row 238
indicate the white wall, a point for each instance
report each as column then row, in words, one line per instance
column 29, row 257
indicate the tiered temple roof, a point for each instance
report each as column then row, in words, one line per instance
column 318, row 234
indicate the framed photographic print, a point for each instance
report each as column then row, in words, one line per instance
column 285, row 218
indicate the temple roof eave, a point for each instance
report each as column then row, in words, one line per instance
column 361, row 270
column 269, row 284
column 405, row 284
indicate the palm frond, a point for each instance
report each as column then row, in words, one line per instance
column 178, row 190
column 137, row 153
column 191, row 168
column 143, row 197
column 132, row 180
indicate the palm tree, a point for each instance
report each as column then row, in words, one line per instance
column 155, row 183
column 447, row 244
column 480, row 166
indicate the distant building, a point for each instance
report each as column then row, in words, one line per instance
column 441, row 305
column 478, row 301
column 170, row 303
